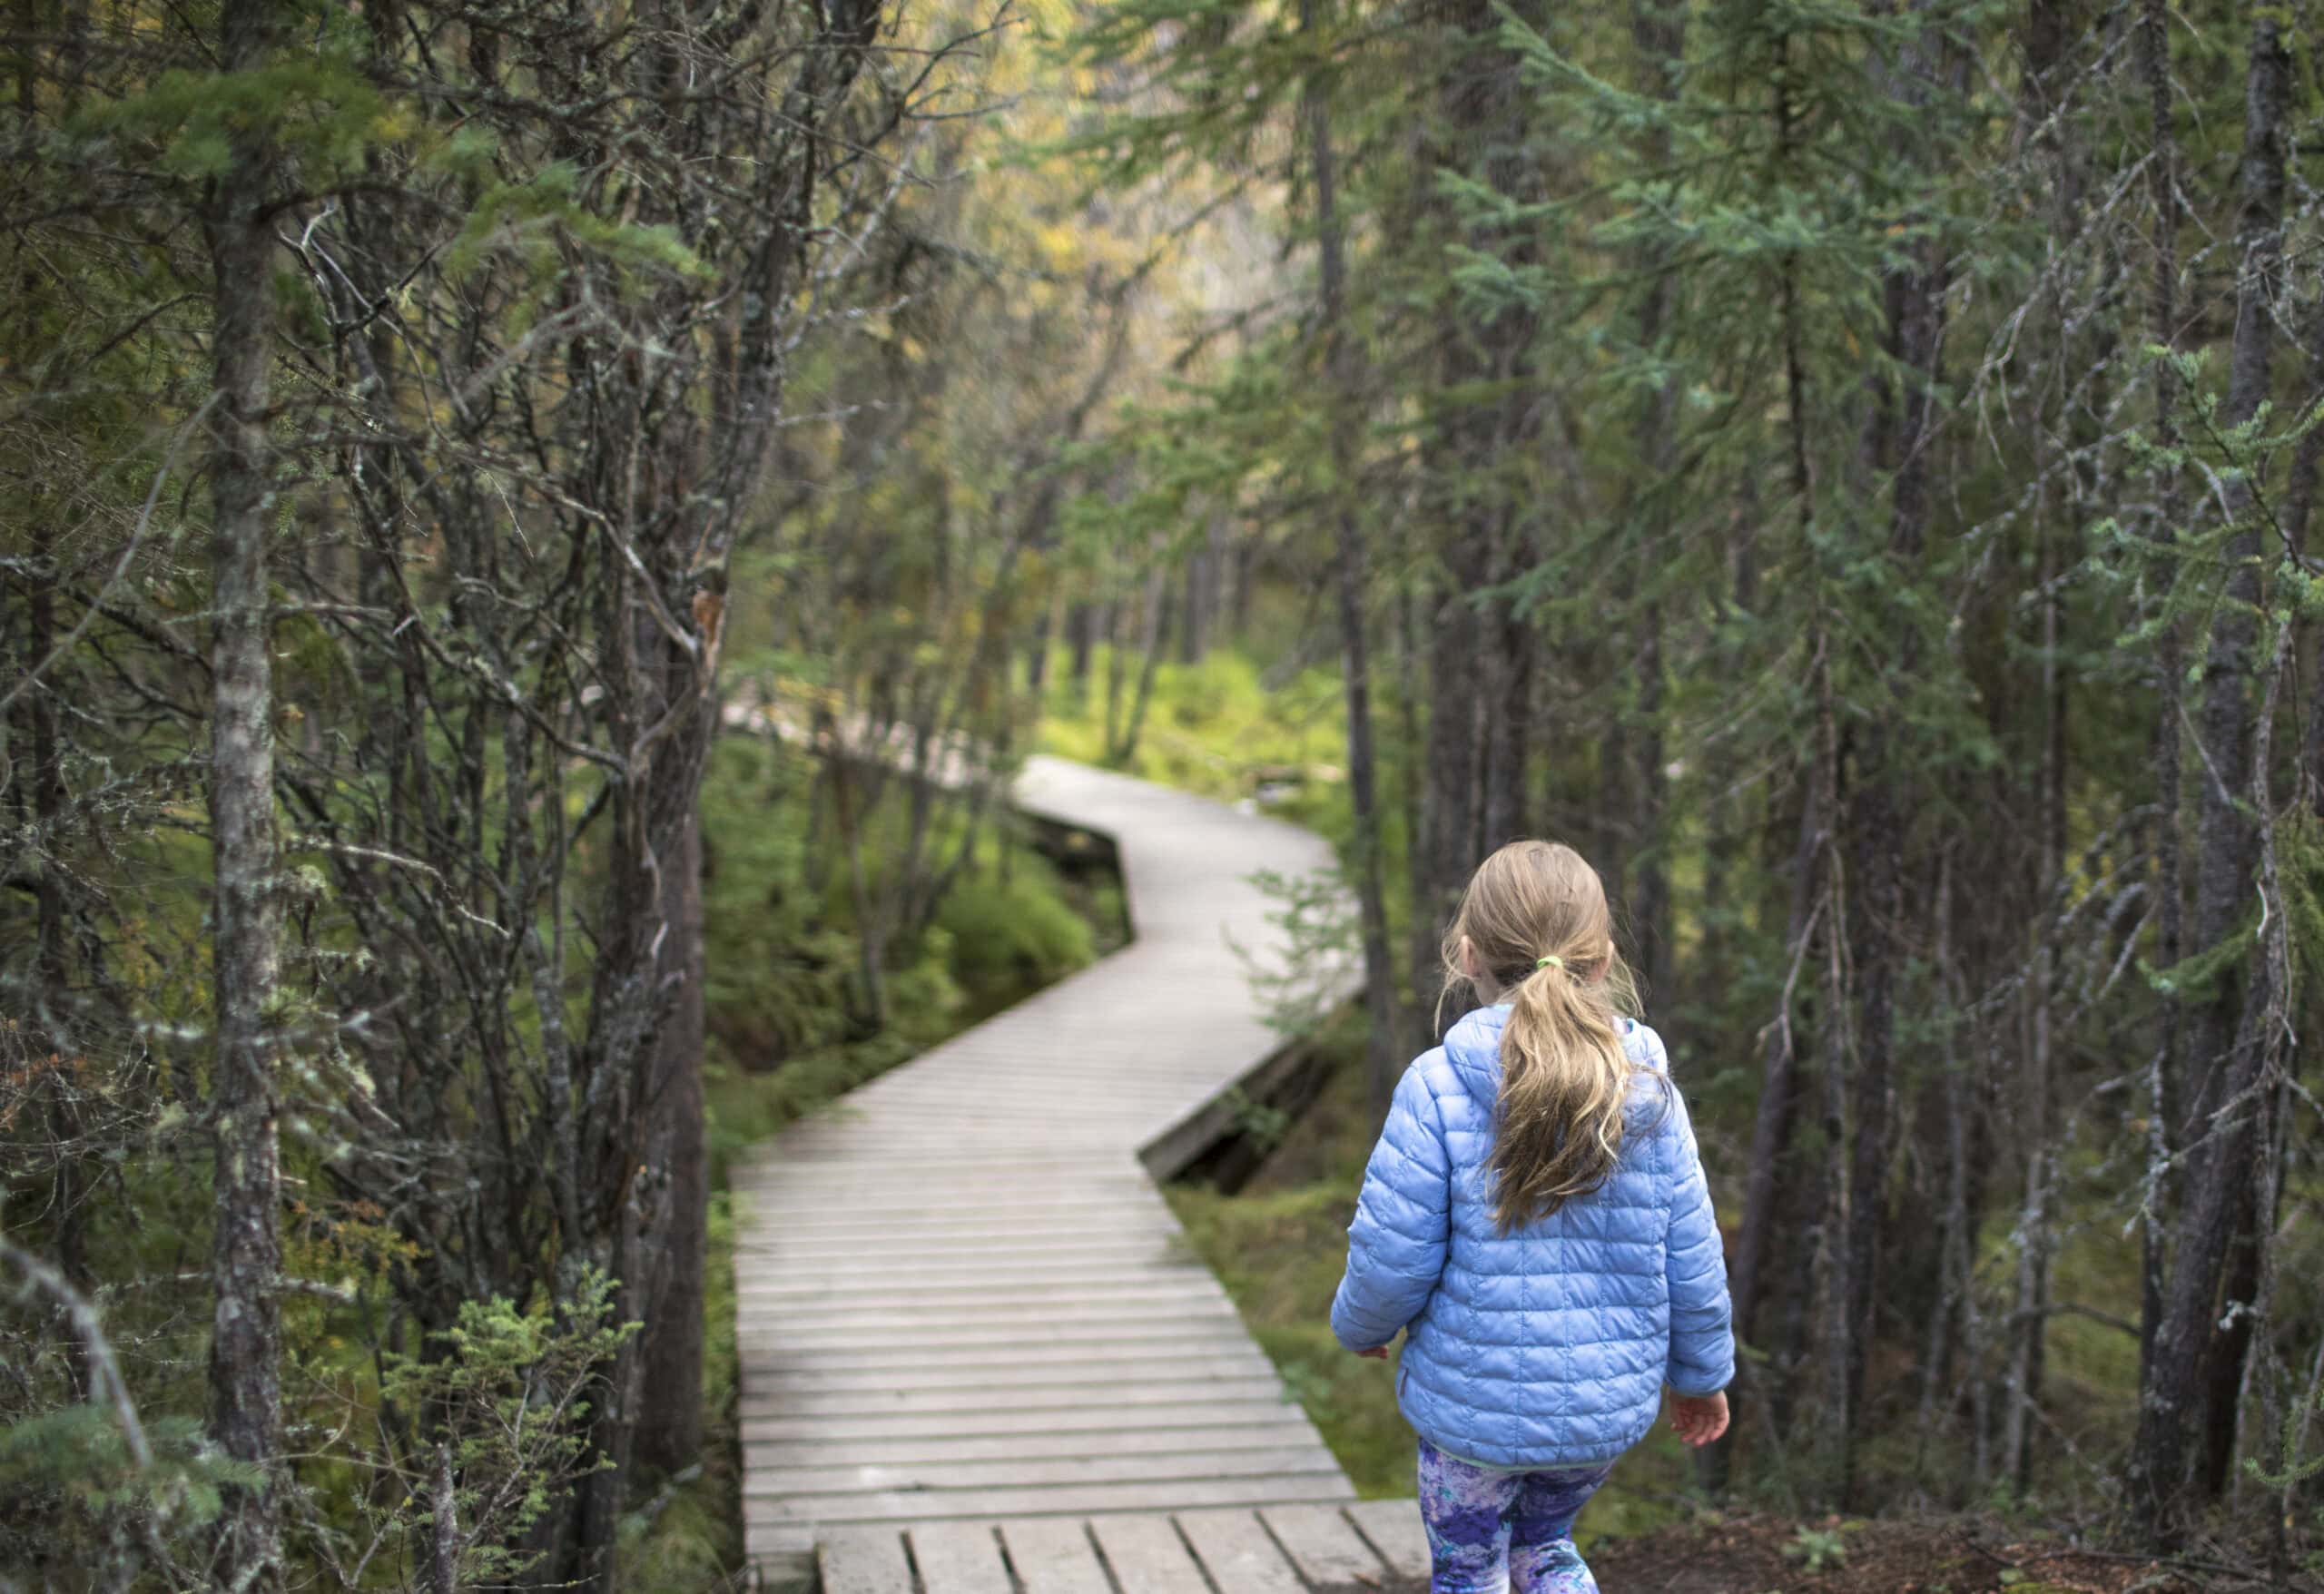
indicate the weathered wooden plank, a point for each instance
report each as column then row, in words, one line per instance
column 766, row 1279
column 1393, row 1527
column 969, row 1223
column 1159, row 1419
column 1038, row 1255
column 1079, row 1499
column 1237, row 1553
column 821, row 1215
column 1167, row 1264
column 1053, row 1555
column 1067, row 1236
column 1147, row 1556
column 1204, row 1353
column 1187, row 1308
column 1049, row 1245
column 958, row 1558
column 1029, row 1472
column 832, row 1379
column 1069, row 1398
column 1061, row 1287
column 1035, row 1340
column 863, row 1560
column 1293, row 1431
column 1326, row 1551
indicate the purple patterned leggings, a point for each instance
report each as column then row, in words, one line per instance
column 1492, row 1531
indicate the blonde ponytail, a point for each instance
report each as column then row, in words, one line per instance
column 1534, row 919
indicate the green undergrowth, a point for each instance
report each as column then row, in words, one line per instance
column 1279, row 1244
column 790, row 1023
column 1222, row 727
column 788, row 1034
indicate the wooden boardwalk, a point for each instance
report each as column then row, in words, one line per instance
column 977, row 1356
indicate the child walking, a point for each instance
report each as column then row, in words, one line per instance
column 1536, row 1221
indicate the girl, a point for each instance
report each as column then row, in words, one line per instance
column 1535, row 1219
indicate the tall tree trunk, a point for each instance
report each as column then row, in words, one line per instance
column 1659, row 33
column 1411, row 801
column 2299, row 505
column 1081, row 641
column 2173, row 1405
column 1198, row 615
column 2030, row 1324
column 1037, row 650
column 1159, row 605
column 2162, row 1068
column 1508, row 711
column 1898, row 442
column 2052, row 32
column 1382, row 1065
column 1243, row 570
column 1838, row 1344
column 1449, row 785
column 41, row 780
column 1475, row 751
column 669, row 1408
column 246, row 1251
column 1117, row 667
column 1772, row 1123
column 1651, row 910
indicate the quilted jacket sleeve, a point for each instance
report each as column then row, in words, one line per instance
column 1702, row 1337
column 1395, row 1246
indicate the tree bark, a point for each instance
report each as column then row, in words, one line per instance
column 1772, row 1121
column 669, row 1409
column 1476, row 759
column 246, row 1252
column 1160, row 616
column 2163, row 1070
column 1381, row 1064
column 1508, row 712
column 1659, row 33
column 1081, row 641
column 2173, row 1405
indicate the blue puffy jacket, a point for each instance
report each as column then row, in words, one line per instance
column 1548, row 1346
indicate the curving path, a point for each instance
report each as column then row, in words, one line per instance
column 977, row 1357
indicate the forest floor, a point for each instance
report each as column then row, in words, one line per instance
column 1746, row 1554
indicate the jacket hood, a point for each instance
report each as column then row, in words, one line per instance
column 1472, row 1047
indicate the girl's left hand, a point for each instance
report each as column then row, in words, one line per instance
column 1376, row 1353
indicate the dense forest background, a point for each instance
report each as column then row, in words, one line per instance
column 499, row 506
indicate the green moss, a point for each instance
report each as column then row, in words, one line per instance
column 1011, row 935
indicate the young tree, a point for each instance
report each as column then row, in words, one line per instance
column 246, row 1251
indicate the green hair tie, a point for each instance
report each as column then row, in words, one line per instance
column 1552, row 961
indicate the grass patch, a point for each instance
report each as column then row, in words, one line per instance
column 1219, row 728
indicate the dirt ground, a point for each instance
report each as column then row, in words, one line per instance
column 1760, row 1555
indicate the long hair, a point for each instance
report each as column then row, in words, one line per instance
column 1535, row 918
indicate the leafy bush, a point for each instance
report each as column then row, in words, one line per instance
column 1010, row 937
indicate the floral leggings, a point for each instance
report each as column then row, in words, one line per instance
column 1490, row 1530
